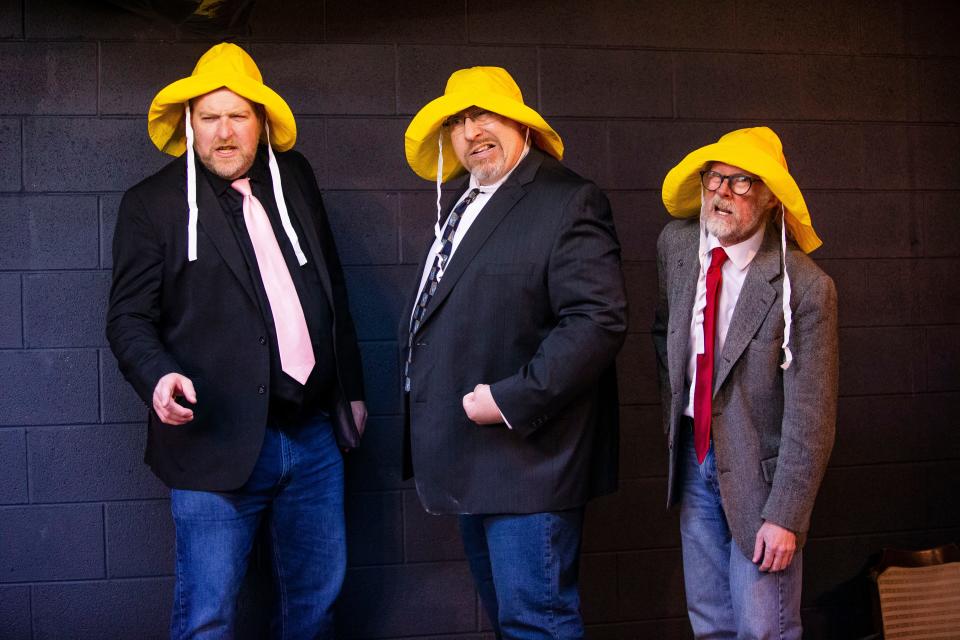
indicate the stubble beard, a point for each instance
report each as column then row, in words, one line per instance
column 228, row 168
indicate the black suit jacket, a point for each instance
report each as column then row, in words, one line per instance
column 533, row 304
column 202, row 319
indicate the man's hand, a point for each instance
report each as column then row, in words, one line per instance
column 359, row 408
column 776, row 546
column 480, row 406
column 167, row 390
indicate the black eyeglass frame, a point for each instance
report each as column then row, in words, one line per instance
column 485, row 116
column 730, row 178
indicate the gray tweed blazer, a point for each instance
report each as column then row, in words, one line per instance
column 773, row 430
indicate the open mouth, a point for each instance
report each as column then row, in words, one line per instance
column 482, row 149
column 722, row 209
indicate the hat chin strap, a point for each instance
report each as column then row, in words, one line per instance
column 437, row 230
column 281, row 203
column 192, row 195
column 787, row 290
column 191, row 191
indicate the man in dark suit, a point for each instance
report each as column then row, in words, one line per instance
column 746, row 338
column 511, row 334
column 229, row 317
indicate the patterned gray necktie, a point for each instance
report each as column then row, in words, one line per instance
column 430, row 287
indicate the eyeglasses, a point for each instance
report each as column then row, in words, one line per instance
column 480, row 117
column 739, row 183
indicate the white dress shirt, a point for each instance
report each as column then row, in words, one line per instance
column 734, row 272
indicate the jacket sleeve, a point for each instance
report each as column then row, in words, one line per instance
column 134, row 311
column 350, row 365
column 810, row 409
column 586, row 291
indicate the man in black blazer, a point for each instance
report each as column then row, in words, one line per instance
column 511, row 334
column 228, row 315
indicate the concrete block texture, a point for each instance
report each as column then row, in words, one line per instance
column 48, row 78
column 65, row 309
column 416, row 599
column 13, row 466
column 87, row 154
column 48, row 232
column 11, row 19
column 10, row 156
column 109, row 208
column 63, row 542
column 705, row 88
column 374, row 528
column 378, row 296
column 104, row 609
column 15, row 611
column 11, row 318
column 654, row 24
column 54, row 386
column 339, row 79
column 66, row 19
column 385, row 21
column 140, row 539
column 130, row 76
column 606, row 83
column 375, row 465
column 100, row 462
column 364, row 225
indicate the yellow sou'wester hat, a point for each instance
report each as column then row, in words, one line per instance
column 168, row 124
column 223, row 65
column 490, row 88
column 757, row 150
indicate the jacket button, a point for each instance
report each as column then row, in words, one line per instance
column 262, row 340
column 261, row 389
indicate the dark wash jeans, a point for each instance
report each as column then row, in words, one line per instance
column 526, row 567
column 297, row 486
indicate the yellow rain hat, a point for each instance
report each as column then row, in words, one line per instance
column 489, row 88
column 223, row 65
column 757, row 150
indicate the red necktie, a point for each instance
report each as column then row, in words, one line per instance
column 293, row 338
column 703, row 389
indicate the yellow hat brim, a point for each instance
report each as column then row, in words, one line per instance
column 681, row 186
column 165, row 118
column 420, row 139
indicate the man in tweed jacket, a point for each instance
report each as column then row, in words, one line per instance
column 747, row 491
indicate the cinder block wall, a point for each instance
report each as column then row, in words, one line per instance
column 863, row 93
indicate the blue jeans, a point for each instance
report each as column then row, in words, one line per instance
column 525, row 568
column 727, row 595
column 297, row 487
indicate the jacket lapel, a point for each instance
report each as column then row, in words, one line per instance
column 210, row 216
column 509, row 193
column 683, row 278
column 298, row 209
column 756, row 297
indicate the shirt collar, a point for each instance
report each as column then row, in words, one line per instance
column 490, row 188
column 742, row 253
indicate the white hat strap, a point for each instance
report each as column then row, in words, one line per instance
column 281, row 203
column 191, row 192
column 437, row 231
column 787, row 313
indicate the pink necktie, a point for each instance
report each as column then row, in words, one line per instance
column 703, row 389
column 293, row 338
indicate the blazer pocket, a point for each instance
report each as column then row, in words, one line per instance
column 766, row 344
column 769, row 467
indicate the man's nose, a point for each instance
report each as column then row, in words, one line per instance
column 470, row 128
column 224, row 130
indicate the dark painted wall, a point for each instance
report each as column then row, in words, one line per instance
column 863, row 94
